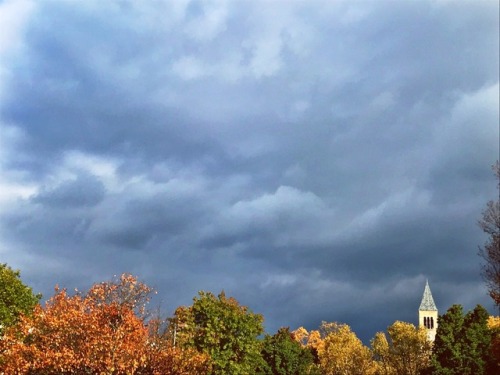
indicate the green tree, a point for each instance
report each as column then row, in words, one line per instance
column 447, row 351
column 223, row 329
column 490, row 252
column 476, row 341
column 15, row 297
column 463, row 343
column 283, row 355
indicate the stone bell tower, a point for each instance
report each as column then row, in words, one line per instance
column 428, row 313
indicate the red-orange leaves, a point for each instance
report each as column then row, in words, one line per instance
column 101, row 332
column 76, row 334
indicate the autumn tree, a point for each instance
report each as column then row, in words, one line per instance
column 310, row 340
column 407, row 352
column 490, row 251
column 125, row 291
column 382, row 354
column 339, row 350
column 15, row 297
column 283, row 355
column 99, row 332
column 223, row 329
column 342, row 352
column 162, row 358
column 78, row 333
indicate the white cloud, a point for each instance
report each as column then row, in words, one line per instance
column 470, row 133
column 273, row 29
column 286, row 200
column 382, row 102
column 72, row 165
column 12, row 184
column 285, row 217
column 210, row 23
column 397, row 205
column 14, row 16
column 266, row 60
column 480, row 108
column 104, row 168
column 279, row 280
column 189, row 68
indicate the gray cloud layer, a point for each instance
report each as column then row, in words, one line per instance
column 318, row 161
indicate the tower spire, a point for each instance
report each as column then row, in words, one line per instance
column 427, row 303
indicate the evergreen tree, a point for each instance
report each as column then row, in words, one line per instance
column 462, row 345
column 476, row 341
column 447, row 351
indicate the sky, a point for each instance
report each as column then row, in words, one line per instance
column 316, row 160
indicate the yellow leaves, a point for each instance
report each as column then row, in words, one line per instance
column 382, row 354
column 494, row 322
column 407, row 351
column 339, row 350
column 342, row 352
column 494, row 326
column 301, row 335
column 314, row 340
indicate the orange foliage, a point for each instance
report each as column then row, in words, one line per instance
column 102, row 332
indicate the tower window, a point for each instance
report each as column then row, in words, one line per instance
column 429, row 322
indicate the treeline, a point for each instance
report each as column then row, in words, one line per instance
column 108, row 330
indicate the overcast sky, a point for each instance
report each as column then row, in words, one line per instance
column 317, row 160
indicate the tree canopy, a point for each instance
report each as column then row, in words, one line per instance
column 109, row 330
column 338, row 349
column 222, row 329
column 15, row 297
column 94, row 333
column 463, row 343
column 283, row 355
column 406, row 352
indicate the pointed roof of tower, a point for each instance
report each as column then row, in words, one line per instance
column 427, row 303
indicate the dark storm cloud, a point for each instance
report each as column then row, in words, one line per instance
column 323, row 158
column 82, row 191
